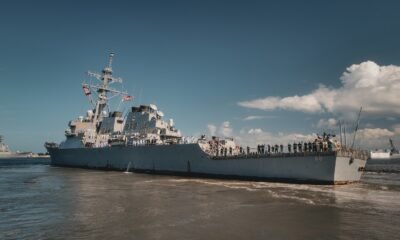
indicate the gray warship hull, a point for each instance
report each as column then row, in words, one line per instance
column 190, row 160
column 9, row 155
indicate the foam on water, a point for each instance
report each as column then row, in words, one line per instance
column 344, row 195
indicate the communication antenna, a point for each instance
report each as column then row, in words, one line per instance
column 345, row 136
column 340, row 130
column 356, row 128
column 110, row 60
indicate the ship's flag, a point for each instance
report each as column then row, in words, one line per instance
column 127, row 98
column 86, row 89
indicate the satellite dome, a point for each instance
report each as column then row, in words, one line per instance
column 154, row 107
column 159, row 113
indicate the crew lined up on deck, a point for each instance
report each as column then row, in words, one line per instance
column 316, row 146
column 296, row 147
column 322, row 143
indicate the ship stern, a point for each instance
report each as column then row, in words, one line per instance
column 349, row 167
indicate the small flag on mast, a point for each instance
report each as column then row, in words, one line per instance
column 127, row 98
column 86, row 89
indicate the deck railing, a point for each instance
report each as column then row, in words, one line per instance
column 359, row 154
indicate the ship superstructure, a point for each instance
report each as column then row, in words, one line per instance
column 96, row 128
column 142, row 141
column 3, row 147
column 5, row 151
column 392, row 153
column 143, row 124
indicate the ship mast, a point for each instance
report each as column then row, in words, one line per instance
column 356, row 128
column 103, row 90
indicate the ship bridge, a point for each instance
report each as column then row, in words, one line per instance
column 147, row 122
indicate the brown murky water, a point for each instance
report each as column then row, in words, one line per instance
column 44, row 202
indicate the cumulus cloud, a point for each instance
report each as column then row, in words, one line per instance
column 369, row 133
column 327, row 123
column 396, row 129
column 224, row 130
column 366, row 84
column 212, row 129
column 376, row 138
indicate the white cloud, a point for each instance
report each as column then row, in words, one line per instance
column 369, row 133
column 212, row 129
column 309, row 103
column 396, row 129
column 375, row 138
column 255, row 131
column 223, row 130
column 327, row 123
column 367, row 84
column 249, row 118
column 226, row 129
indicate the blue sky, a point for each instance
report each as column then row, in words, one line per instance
column 207, row 64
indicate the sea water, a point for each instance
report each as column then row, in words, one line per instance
column 38, row 201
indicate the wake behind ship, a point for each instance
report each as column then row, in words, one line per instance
column 143, row 141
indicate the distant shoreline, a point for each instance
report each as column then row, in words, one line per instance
column 43, row 160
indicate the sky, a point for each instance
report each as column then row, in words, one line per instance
column 258, row 71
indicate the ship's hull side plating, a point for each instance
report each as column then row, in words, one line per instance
column 189, row 159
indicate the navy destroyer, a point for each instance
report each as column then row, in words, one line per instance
column 5, row 151
column 142, row 141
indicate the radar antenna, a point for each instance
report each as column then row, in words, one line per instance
column 104, row 92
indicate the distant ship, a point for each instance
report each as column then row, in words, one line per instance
column 6, row 153
column 392, row 153
column 142, row 141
